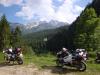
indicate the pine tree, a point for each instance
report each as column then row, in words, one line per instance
column 4, row 33
column 16, row 37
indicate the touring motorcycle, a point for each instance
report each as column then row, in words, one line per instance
column 76, row 61
column 13, row 57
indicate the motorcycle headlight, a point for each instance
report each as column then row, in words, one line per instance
column 21, row 55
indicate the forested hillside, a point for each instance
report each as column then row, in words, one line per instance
column 96, row 6
column 83, row 33
column 38, row 40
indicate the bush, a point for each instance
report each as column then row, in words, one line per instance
column 27, row 50
column 92, row 54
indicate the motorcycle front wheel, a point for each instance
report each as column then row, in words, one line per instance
column 19, row 61
column 81, row 66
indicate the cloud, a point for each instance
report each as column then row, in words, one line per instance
column 26, row 12
column 60, row 0
column 45, row 10
column 68, row 11
column 7, row 3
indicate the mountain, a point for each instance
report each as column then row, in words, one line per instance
column 42, row 25
column 46, row 33
column 14, row 25
column 38, row 26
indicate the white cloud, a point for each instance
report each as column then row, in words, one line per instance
column 60, row 0
column 26, row 12
column 44, row 10
column 68, row 11
column 10, row 2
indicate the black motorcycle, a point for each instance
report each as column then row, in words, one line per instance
column 13, row 58
column 97, row 60
column 76, row 61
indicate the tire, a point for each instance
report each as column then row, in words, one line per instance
column 7, row 60
column 19, row 61
column 81, row 66
column 58, row 64
column 97, row 61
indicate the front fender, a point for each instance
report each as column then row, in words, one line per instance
column 21, row 55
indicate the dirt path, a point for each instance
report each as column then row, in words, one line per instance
column 27, row 70
column 22, row 70
column 18, row 70
column 33, row 70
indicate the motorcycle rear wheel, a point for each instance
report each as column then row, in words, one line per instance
column 59, row 64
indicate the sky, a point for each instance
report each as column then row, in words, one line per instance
column 25, row 11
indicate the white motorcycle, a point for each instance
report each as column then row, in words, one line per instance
column 13, row 57
column 72, row 61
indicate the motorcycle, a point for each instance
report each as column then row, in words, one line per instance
column 14, row 57
column 97, row 60
column 76, row 61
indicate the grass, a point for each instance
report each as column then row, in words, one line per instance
column 49, row 60
column 41, row 60
column 1, row 57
